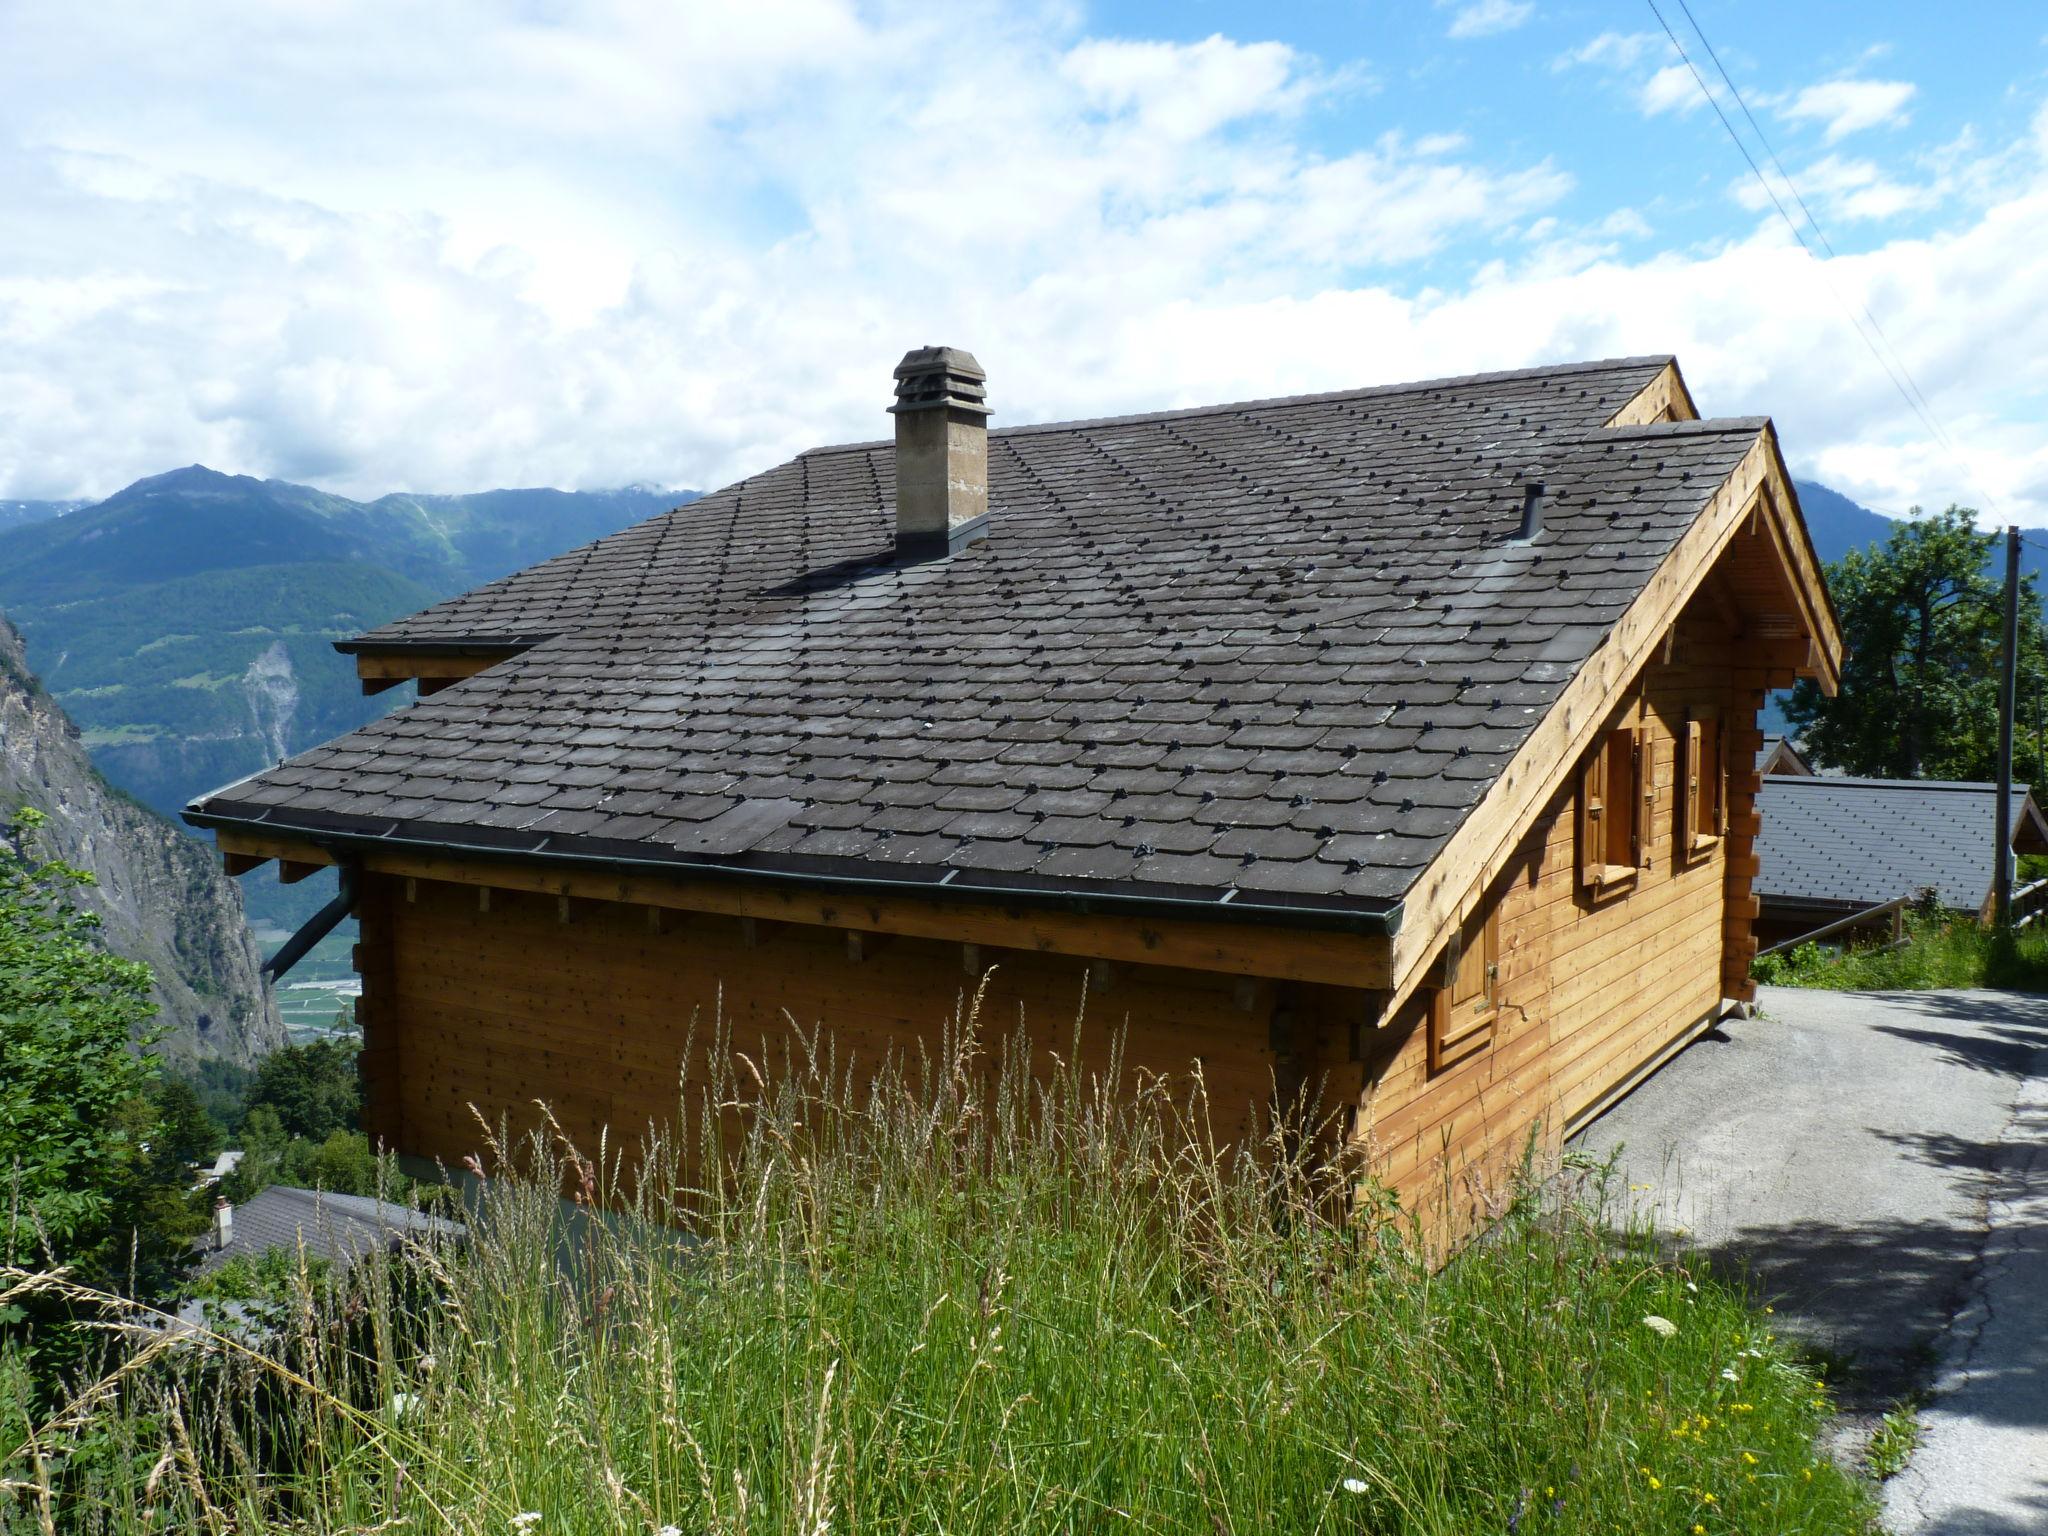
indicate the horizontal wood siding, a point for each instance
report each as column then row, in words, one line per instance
column 1594, row 984
column 503, row 1006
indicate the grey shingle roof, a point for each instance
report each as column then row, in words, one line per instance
column 1279, row 648
column 1868, row 841
column 337, row 1228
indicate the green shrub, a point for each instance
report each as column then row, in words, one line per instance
column 964, row 1298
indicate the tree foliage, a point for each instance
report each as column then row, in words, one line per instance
column 72, row 1137
column 1923, row 618
column 312, row 1088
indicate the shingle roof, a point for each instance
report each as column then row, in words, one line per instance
column 1869, row 841
column 1279, row 649
column 337, row 1228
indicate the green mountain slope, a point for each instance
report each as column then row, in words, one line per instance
column 187, row 622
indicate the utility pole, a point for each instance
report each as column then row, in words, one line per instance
column 2008, row 688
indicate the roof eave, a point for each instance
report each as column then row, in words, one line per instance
column 344, row 838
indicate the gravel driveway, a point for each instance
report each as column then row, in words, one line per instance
column 1878, row 1163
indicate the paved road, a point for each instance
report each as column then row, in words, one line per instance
column 1878, row 1163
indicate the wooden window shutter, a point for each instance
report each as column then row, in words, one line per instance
column 1639, row 781
column 1689, row 788
column 1720, row 781
column 1593, row 817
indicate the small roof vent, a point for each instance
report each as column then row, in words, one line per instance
column 1534, row 495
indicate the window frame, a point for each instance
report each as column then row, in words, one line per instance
column 1621, row 755
column 1462, row 1025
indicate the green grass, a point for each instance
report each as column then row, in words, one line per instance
column 965, row 1299
column 1940, row 951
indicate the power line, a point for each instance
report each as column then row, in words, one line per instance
column 1871, row 334
column 1812, row 221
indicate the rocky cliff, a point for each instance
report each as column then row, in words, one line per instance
column 161, row 896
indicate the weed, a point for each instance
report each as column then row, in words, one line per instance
column 1897, row 1437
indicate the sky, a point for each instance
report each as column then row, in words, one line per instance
column 373, row 245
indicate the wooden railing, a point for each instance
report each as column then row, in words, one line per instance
column 1896, row 910
column 2029, row 902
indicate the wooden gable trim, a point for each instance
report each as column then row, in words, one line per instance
column 1237, row 949
column 1664, row 398
column 1479, row 850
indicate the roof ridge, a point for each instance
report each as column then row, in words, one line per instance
column 1851, row 781
column 1700, row 425
column 1273, row 402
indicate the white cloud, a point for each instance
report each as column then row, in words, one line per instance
column 1484, row 18
column 1850, row 106
column 646, row 246
column 1672, row 88
column 1850, row 190
column 1616, row 50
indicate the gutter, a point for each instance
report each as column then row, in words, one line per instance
column 317, row 927
column 1228, row 907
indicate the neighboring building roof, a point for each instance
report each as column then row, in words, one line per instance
column 337, row 1228
column 1863, row 842
column 1778, row 754
column 1274, row 652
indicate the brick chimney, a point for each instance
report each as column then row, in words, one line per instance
column 941, row 452
column 223, row 1224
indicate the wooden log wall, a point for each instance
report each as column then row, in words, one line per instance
column 1596, row 988
column 497, row 998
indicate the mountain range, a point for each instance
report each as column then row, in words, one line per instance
column 186, row 622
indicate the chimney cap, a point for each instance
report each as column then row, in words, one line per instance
column 934, row 378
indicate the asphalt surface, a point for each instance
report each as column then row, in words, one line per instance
column 1877, row 1164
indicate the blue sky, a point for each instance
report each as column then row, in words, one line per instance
column 375, row 245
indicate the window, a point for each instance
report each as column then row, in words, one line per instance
column 1467, row 996
column 1611, row 789
column 1703, row 785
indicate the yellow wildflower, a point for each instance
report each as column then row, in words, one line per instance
column 1749, row 1458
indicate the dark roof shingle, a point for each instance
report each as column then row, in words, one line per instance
column 1869, row 841
column 1279, row 648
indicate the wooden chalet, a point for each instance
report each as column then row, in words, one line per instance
column 1397, row 740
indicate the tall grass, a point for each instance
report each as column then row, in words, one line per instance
column 1941, row 950
column 960, row 1295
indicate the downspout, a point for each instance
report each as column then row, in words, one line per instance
column 317, row 927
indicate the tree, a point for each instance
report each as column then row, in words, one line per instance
column 311, row 1088
column 1923, row 621
column 186, row 1135
column 71, row 1077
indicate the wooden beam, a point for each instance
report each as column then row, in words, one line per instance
column 379, row 670
column 292, row 871
column 1231, row 948
column 237, row 863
